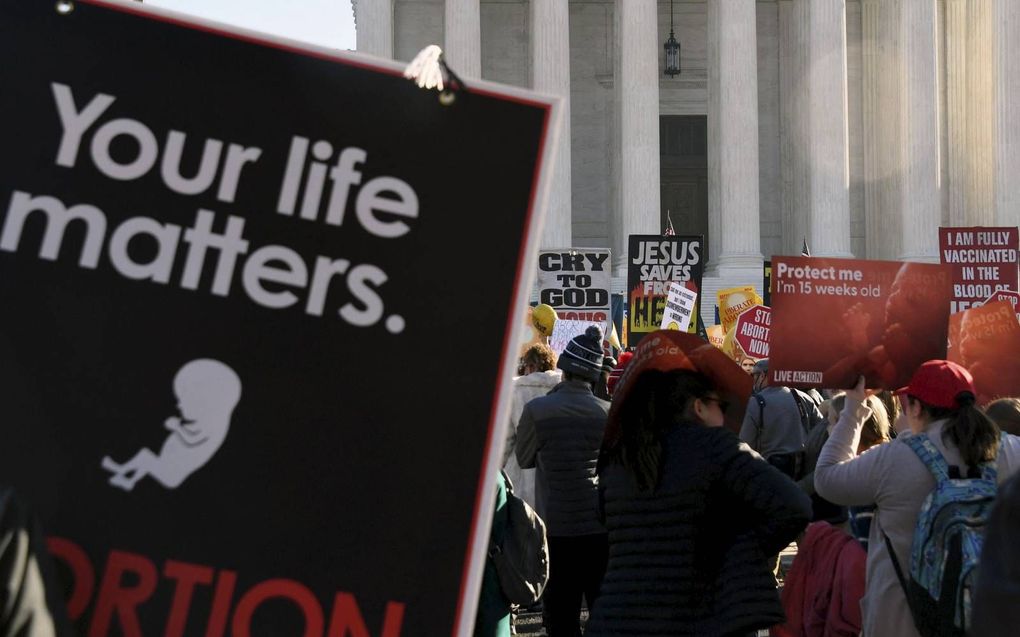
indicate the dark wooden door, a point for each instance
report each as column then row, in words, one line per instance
column 683, row 143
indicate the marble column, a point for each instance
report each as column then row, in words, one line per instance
column 920, row 201
column 550, row 63
column 827, row 122
column 373, row 24
column 980, row 114
column 638, row 86
column 871, row 94
column 956, row 111
column 791, row 125
column 890, row 163
column 463, row 37
column 1007, row 112
column 801, row 23
column 733, row 137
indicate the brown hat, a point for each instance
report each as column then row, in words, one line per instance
column 668, row 350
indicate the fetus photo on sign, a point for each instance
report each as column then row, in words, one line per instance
column 207, row 392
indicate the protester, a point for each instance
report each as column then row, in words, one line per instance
column 938, row 402
column 493, row 618
column 875, row 432
column 31, row 604
column 1005, row 412
column 693, row 513
column 540, row 321
column 614, row 376
column 822, row 592
column 540, row 376
column 892, row 409
column 997, row 598
column 602, row 384
column 777, row 422
column 747, row 364
column 560, row 434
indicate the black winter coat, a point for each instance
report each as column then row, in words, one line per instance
column 560, row 434
column 691, row 557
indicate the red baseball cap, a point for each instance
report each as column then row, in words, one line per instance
column 938, row 383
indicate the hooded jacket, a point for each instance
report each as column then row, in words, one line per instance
column 822, row 593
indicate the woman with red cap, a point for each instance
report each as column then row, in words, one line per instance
column 938, row 403
column 693, row 514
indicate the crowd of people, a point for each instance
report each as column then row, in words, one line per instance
column 670, row 491
column 670, row 480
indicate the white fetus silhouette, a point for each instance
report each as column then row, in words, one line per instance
column 207, row 392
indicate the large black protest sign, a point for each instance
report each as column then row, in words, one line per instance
column 227, row 268
column 653, row 263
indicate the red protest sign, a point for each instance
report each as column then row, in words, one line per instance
column 753, row 327
column 1010, row 297
column 983, row 261
column 835, row 319
column 986, row 340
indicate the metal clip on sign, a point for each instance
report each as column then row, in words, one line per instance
column 427, row 69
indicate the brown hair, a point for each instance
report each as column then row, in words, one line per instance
column 876, row 427
column 540, row 356
column 1005, row 412
column 657, row 401
column 892, row 404
column 973, row 433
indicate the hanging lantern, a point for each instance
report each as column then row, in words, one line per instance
column 672, row 48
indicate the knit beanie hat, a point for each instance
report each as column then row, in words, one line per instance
column 583, row 355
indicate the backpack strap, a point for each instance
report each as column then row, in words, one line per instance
column 761, row 419
column 896, row 565
column 922, row 445
column 805, row 422
column 508, row 481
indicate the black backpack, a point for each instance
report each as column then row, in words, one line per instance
column 522, row 560
column 791, row 464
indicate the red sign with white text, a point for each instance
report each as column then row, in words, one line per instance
column 984, row 261
column 753, row 331
column 836, row 319
column 986, row 340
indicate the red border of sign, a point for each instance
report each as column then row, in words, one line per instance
column 349, row 59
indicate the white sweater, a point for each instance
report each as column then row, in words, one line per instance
column 525, row 388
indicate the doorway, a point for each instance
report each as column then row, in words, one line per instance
column 683, row 161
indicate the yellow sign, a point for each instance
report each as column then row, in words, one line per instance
column 733, row 302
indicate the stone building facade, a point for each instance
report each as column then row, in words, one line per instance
column 860, row 126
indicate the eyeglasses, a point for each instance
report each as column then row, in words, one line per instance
column 723, row 404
